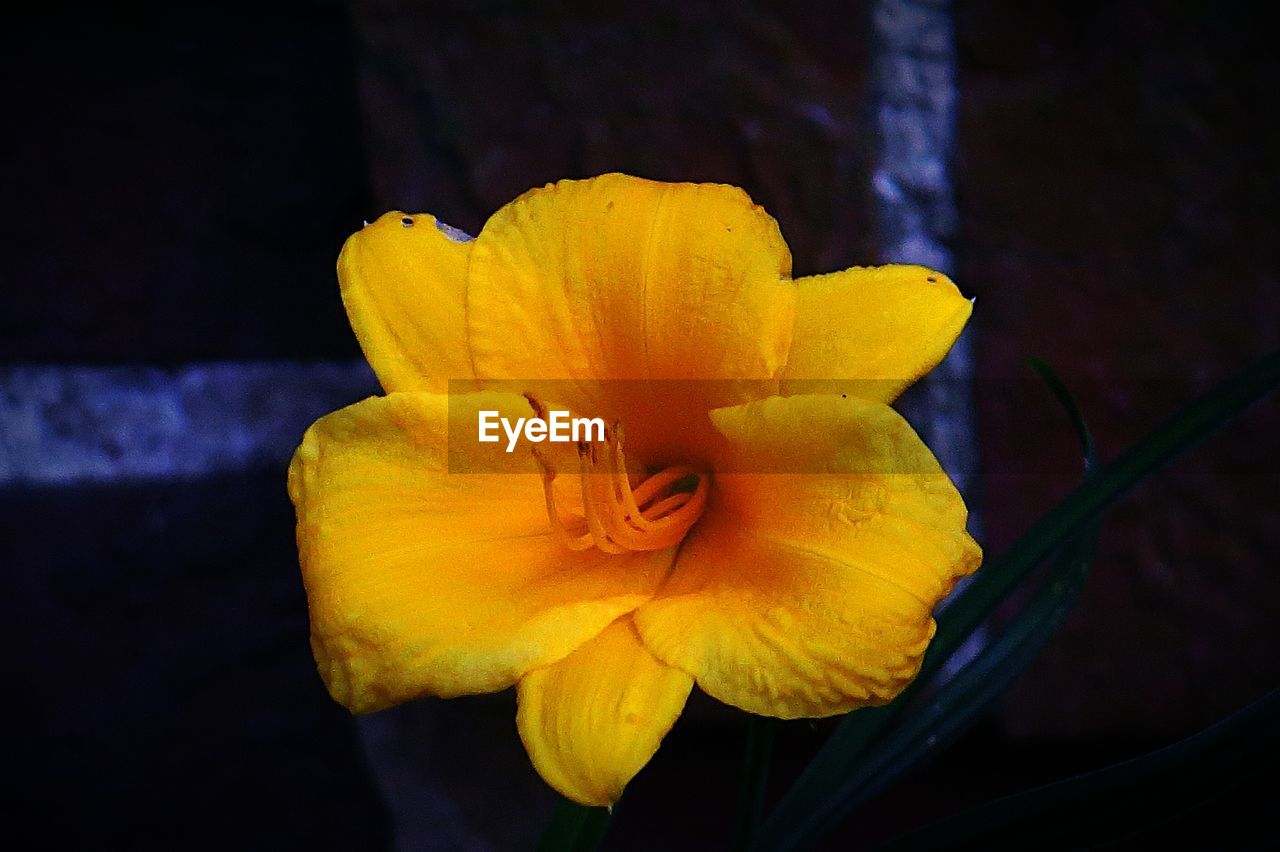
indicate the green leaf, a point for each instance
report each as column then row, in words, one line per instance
column 1114, row 802
column 961, row 699
column 1068, row 403
column 574, row 828
column 1177, row 434
column 819, row 797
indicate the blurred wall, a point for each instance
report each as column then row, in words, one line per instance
column 1119, row 185
column 177, row 179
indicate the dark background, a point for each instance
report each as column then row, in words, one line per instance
column 177, row 180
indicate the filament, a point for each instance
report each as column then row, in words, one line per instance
column 615, row 517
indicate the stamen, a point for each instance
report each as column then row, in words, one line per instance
column 617, row 518
column 593, row 503
column 662, row 507
column 573, row 542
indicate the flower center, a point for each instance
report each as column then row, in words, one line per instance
column 617, row 518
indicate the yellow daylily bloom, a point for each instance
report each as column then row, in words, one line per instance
column 754, row 517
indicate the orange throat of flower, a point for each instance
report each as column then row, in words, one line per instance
column 616, row 518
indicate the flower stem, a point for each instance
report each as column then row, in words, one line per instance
column 575, row 828
column 755, row 773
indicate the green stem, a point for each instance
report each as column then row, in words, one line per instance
column 575, row 828
column 755, row 774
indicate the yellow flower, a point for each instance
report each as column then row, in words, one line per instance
column 757, row 520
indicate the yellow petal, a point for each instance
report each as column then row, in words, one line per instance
column 808, row 586
column 404, row 288
column 582, row 284
column 425, row 581
column 872, row 331
column 592, row 721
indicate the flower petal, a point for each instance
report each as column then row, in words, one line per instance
column 810, row 592
column 425, row 581
column 592, row 721
column 586, row 284
column 404, row 287
column 872, row 331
